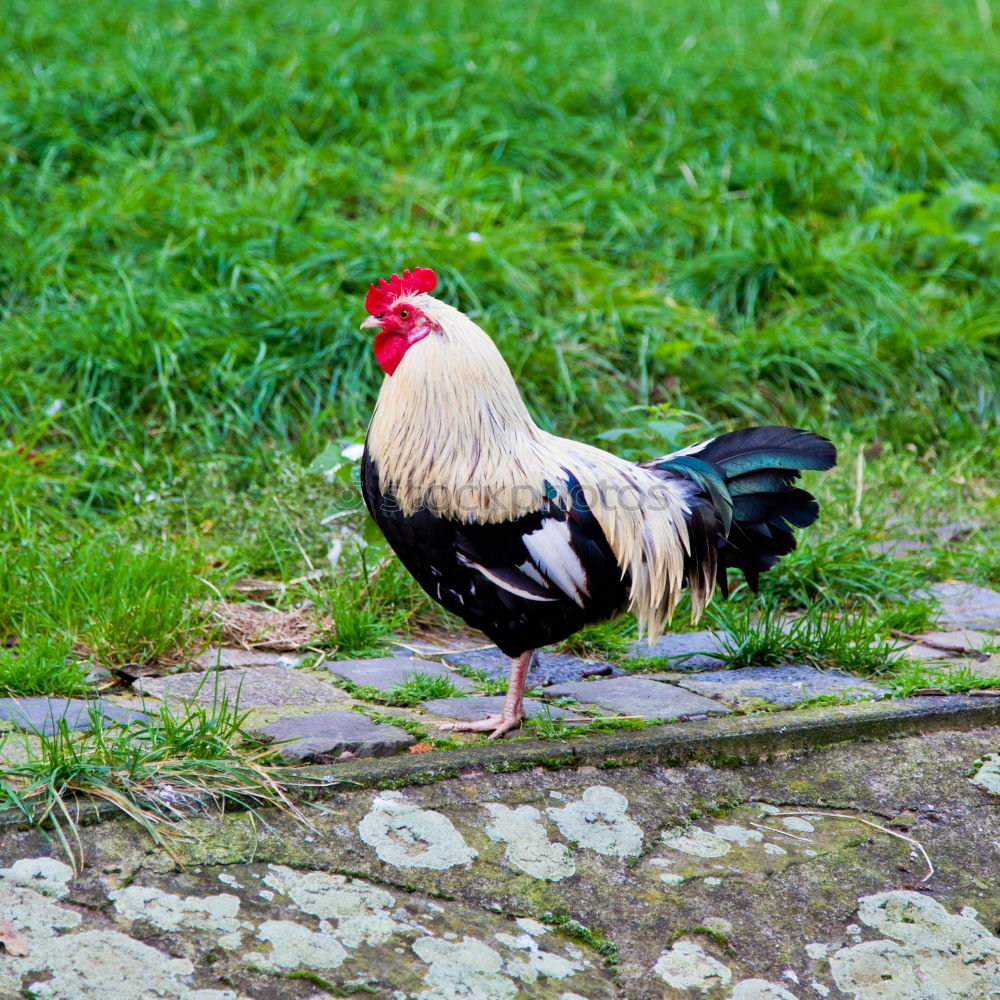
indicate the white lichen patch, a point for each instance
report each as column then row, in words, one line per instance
column 760, row 989
column 697, row 842
column 35, row 916
column 362, row 910
column 817, row 950
column 686, row 966
column 528, row 846
column 537, row 962
column 468, row 968
column 770, row 848
column 294, row 946
column 739, row 835
column 532, row 927
column 45, row 875
column 934, row 954
column 103, row 965
column 599, row 822
column 37, row 919
column 798, row 824
column 988, row 775
column 218, row 914
column 410, row 837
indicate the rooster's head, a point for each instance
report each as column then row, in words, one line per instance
column 396, row 314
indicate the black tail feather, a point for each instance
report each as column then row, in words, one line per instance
column 752, row 472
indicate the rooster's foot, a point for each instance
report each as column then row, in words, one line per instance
column 499, row 725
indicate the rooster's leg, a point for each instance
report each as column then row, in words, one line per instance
column 513, row 706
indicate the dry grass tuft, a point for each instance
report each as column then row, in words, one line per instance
column 255, row 626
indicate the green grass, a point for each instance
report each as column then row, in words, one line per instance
column 758, row 634
column 418, row 687
column 41, row 667
column 689, row 217
column 546, row 726
column 158, row 773
column 412, row 690
column 909, row 677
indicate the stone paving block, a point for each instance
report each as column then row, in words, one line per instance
column 683, row 650
column 967, row 639
column 898, row 546
column 971, row 639
column 479, row 707
column 919, row 654
column 253, row 686
column 231, row 657
column 548, row 668
column 43, row 715
column 785, row 685
column 964, row 604
column 388, row 671
column 324, row 736
column 639, row 696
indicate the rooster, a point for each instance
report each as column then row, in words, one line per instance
column 528, row 536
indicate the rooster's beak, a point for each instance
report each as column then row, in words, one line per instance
column 372, row 323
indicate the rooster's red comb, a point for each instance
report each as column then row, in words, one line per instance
column 420, row 279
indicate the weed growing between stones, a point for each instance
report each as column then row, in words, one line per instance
column 544, row 725
column 603, row 640
column 937, row 678
column 485, row 684
column 411, row 726
column 759, row 634
column 157, row 772
column 412, row 690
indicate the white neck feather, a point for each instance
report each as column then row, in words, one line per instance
column 450, row 428
column 451, row 431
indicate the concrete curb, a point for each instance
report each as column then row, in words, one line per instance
column 722, row 742
column 726, row 742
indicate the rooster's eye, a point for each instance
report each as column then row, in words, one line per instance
column 404, row 314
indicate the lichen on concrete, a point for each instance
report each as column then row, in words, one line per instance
column 988, row 774
column 536, row 962
column 685, row 965
column 798, row 824
column 760, row 989
column 528, row 846
column 45, row 875
column 697, row 842
column 363, row 911
column 294, row 946
column 466, row 968
column 218, row 914
column 933, row 954
column 743, row 847
column 410, row 837
column 599, row 822
column 104, row 965
column 740, row 835
column 780, row 906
